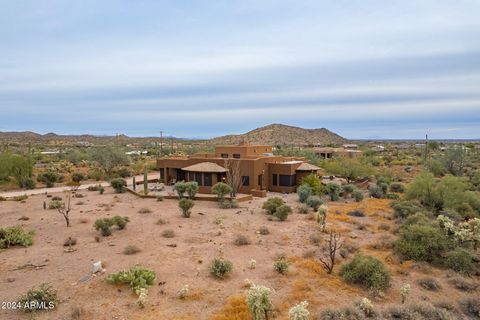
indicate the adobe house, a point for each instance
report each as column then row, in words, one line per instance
column 260, row 170
column 328, row 152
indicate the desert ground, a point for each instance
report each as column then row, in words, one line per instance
column 185, row 258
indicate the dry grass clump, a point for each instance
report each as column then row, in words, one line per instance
column 69, row 242
column 84, row 220
column 79, row 203
column 168, row 233
column 429, row 284
column 77, row 313
column 235, row 309
column 263, row 231
column 463, row 284
column 131, row 249
column 471, row 307
column 144, row 210
column 24, row 218
column 385, row 242
column 384, row 227
column 316, row 238
column 241, row 240
column 161, row 221
column 356, row 213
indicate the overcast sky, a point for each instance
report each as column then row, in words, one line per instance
column 362, row 68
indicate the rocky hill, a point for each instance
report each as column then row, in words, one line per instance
column 279, row 134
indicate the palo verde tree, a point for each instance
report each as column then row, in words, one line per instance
column 108, row 158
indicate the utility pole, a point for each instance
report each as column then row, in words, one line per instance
column 426, row 148
column 161, row 144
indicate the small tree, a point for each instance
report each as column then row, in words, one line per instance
column 185, row 205
column 119, row 185
column 334, row 244
column 333, row 190
column 181, row 188
column 304, row 192
column 314, row 182
column 272, row 204
column 191, row 188
column 259, row 302
column 78, row 176
column 314, row 202
column 221, row 189
column 65, row 208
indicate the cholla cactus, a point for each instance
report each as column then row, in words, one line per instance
column 258, row 301
column 320, row 217
column 299, row 312
column 446, row 223
column 468, row 231
column 183, row 292
column 252, row 264
column 366, row 306
column 142, row 296
column 405, row 291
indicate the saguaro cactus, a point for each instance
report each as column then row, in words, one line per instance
column 145, row 180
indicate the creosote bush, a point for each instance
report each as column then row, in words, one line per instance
column 282, row 212
column 272, row 204
column 221, row 268
column 12, row 236
column 105, row 224
column 241, row 240
column 119, row 185
column 186, row 205
column 138, row 278
column 366, row 271
column 44, row 297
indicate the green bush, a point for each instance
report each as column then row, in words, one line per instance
column 120, row 222
column 421, row 242
column 333, row 190
column 105, row 224
column 55, row 204
column 123, row 172
column 405, row 208
column 281, row 265
column 221, row 189
column 78, row 176
column 272, row 204
column 304, row 192
column 138, row 278
column 27, row 183
column 44, row 297
column 366, row 271
column 376, row 191
column 11, row 236
column 314, row 182
column 384, row 187
column 119, row 185
column 314, row 202
column 460, row 260
column 49, row 178
column 191, row 188
column 186, row 205
column 228, row 204
column 348, row 189
column 282, row 212
column 357, row 195
column 221, row 268
column 397, row 187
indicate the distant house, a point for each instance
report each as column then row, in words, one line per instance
column 136, row 153
column 350, row 146
column 378, row 148
column 260, row 170
column 329, row 152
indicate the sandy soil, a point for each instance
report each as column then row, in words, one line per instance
column 198, row 240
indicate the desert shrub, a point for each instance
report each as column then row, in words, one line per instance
column 397, row 187
column 144, row 210
column 314, row 182
column 303, row 208
column 180, row 187
column 384, row 187
column 460, row 260
column 120, row 222
column 314, row 202
column 123, row 172
column 138, row 278
column 23, row 197
column 299, row 312
column 96, row 174
column 49, row 178
column 168, row 233
column 44, row 297
column 463, row 284
column 272, row 204
column 221, row 189
column 69, row 242
column 12, row 236
column 356, row 213
column 471, row 307
column 333, row 190
column 27, row 183
column 78, row 176
column 281, row 265
column 131, row 249
column 348, row 189
column 161, row 221
column 259, row 302
column 221, row 268
column 429, row 284
column 347, row 313
column 304, row 191
column 105, row 224
column 418, row 311
column 357, row 195
column 375, row 192
column 406, row 208
column 392, row 196
column 421, row 242
column 93, row 187
column 55, row 204
column 241, row 240
column 366, row 271
column 119, row 185
column 228, row 204
column 263, row 231
column 185, row 205
column 315, row 238
column 191, row 188
column 282, row 212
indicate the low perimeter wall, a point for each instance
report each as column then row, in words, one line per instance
column 202, row 197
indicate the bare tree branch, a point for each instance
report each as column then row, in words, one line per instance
column 234, row 179
column 334, row 244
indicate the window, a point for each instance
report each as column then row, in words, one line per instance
column 162, row 173
column 287, row 181
column 207, row 179
column 224, row 155
column 236, row 155
column 191, row 176
column 275, row 179
column 245, row 180
column 198, row 178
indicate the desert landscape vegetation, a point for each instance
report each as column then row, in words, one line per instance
column 391, row 234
